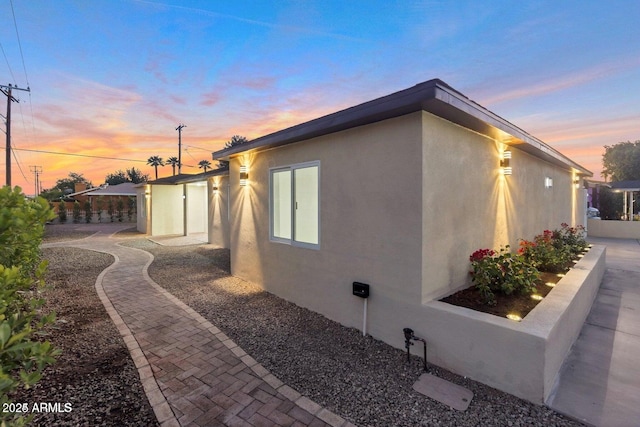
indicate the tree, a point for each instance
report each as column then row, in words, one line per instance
column 65, row 186
column 155, row 161
column 621, row 162
column 173, row 161
column 130, row 175
column 204, row 164
column 235, row 140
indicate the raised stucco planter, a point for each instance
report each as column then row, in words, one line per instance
column 522, row 358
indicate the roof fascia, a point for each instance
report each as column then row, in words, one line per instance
column 433, row 96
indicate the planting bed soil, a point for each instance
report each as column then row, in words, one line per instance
column 516, row 303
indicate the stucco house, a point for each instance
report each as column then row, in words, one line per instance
column 396, row 193
column 186, row 204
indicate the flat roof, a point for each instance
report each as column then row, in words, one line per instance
column 433, row 96
column 185, row 178
column 625, row 185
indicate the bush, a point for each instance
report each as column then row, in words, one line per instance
column 110, row 209
column 120, row 209
column 62, row 212
column 502, row 272
column 76, row 212
column 22, row 357
column 131, row 207
column 553, row 251
column 88, row 213
column 100, row 207
column 572, row 238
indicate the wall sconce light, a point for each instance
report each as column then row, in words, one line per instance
column 548, row 182
column 215, row 188
column 576, row 183
column 244, row 176
column 505, row 163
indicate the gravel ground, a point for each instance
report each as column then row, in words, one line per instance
column 94, row 373
column 360, row 378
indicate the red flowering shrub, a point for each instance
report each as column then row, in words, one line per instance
column 501, row 272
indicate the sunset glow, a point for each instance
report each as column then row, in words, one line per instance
column 114, row 78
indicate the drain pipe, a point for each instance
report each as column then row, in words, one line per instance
column 408, row 337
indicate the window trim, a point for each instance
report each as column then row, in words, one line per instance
column 291, row 168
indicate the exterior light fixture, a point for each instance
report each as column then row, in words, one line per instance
column 513, row 316
column 576, row 182
column 215, row 189
column 536, row 297
column 505, row 163
column 550, row 284
column 244, row 176
column 548, row 182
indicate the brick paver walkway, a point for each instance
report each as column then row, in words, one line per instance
column 192, row 373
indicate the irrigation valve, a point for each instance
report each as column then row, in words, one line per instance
column 409, row 337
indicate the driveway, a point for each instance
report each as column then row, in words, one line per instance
column 600, row 379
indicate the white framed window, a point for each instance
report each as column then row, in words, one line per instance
column 294, row 204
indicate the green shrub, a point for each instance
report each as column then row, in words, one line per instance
column 131, row 207
column 76, row 212
column 572, row 237
column 120, row 209
column 100, row 207
column 22, row 357
column 502, row 272
column 62, row 212
column 553, row 251
column 110, row 209
column 88, row 213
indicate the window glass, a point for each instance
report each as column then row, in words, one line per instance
column 281, row 204
column 306, row 204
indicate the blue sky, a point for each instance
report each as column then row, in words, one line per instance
column 115, row 78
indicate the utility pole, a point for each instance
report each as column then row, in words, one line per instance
column 7, row 91
column 179, row 129
column 36, row 170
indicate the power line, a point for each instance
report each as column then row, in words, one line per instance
column 13, row 151
column 15, row 24
column 78, row 155
column 7, row 61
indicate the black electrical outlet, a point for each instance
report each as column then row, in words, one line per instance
column 361, row 289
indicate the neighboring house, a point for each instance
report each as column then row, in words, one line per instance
column 186, row 204
column 105, row 193
column 395, row 193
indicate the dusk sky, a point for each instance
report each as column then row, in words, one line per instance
column 114, row 78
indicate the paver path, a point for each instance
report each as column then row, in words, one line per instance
column 192, row 373
column 600, row 378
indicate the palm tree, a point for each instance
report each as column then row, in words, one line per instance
column 173, row 161
column 155, row 161
column 204, row 164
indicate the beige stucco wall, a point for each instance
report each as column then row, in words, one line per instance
column 370, row 222
column 403, row 203
column 167, row 211
column 219, row 211
column 468, row 204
